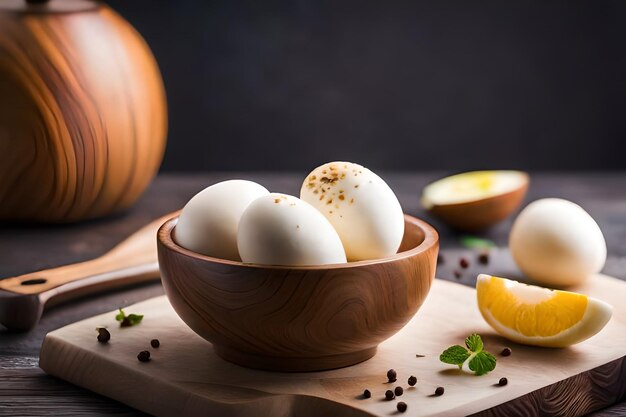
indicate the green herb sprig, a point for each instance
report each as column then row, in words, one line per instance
column 473, row 242
column 480, row 361
column 130, row 320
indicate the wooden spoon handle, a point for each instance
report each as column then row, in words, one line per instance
column 133, row 260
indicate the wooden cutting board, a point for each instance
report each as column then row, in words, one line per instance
column 185, row 377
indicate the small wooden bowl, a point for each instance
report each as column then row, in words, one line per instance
column 482, row 213
column 474, row 216
column 298, row 318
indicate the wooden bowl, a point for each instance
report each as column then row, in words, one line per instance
column 481, row 213
column 298, row 318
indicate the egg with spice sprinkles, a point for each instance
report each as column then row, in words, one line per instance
column 361, row 207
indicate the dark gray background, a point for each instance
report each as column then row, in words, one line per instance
column 451, row 85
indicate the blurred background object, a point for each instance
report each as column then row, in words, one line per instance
column 83, row 117
column 447, row 85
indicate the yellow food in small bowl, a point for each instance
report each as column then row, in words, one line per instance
column 476, row 200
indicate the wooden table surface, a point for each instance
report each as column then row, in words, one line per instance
column 26, row 390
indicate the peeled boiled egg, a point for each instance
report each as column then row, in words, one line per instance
column 361, row 207
column 208, row 223
column 557, row 243
column 279, row 229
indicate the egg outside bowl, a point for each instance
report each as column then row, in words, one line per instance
column 298, row 318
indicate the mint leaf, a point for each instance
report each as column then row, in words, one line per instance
column 130, row 320
column 454, row 355
column 120, row 316
column 482, row 363
column 474, row 343
column 135, row 318
column 472, row 242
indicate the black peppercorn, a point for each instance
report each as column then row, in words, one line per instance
column 503, row 381
column 457, row 274
column 155, row 343
column 125, row 322
column 389, row 395
column 392, row 375
column 103, row 335
column 464, row 263
column 143, row 356
column 398, row 391
column 506, row 352
column 439, row 391
column 367, row 394
column 483, row 258
column 412, row 380
column 401, row 407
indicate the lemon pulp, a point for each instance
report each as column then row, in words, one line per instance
column 513, row 306
column 539, row 316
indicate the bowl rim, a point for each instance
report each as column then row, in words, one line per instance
column 431, row 238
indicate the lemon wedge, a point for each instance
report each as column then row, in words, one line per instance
column 539, row 316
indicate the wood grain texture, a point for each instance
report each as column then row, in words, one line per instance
column 26, row 389
column 137, row 250
column 481, row 214
column 186, row 376
column 24, row 248
column 134, row 260
column 299, row 318
column 579, row 395
column 82, row 115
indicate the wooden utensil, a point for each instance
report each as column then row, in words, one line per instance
column 134, row 260
column 299, row 318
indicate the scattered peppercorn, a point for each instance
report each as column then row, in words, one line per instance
column 125, row 322
column 389, row 395
column 439, row 391
column 412, row 380
column 398, row 391
column 155, row 343
column 503, row 381
column 457, row 274
column 401, row 406
column 143, row 356
column 483, row 258
column 367, row 394
column 440, row 259
column 103, row 335
column 506, row 351
column 464, row 263
column 392, row 375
